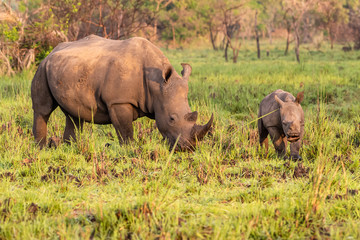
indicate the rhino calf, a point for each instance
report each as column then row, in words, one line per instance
column 284, row 125
column 114, row 82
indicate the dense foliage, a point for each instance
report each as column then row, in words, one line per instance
column 29, row 30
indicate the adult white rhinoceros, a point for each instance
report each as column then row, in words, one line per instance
column 112, row 81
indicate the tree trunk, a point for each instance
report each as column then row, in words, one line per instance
column 331, row 38
column 226, row 49
column 156, row 20
column 270, row 36
column 235, row 55
column 173, row 33
column 257, row 37
column 119, row 23
column 222, row 44
column 297, row 45
column 155, row 29
column 258, row 46
column 10, row 71
column 287, row 42
column 332, row 43
column 212, row 38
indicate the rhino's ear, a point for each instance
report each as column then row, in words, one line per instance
column 167, row 72
column 279, row 101
column 186, row 71
column 299, row 97
column 191, row 117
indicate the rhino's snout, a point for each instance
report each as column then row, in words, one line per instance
column 293, row 134
column 183, row 148
column 188, row 143
column 292, row 130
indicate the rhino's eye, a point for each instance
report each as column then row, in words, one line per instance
column 284, row 122
column 172, row 119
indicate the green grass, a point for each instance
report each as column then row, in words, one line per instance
column 226, row 189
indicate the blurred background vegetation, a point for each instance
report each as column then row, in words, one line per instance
column 30, row 29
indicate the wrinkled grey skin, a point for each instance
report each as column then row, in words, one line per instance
column 284, row 125
column 111, row 81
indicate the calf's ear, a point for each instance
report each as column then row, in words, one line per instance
column 279, row 101
column 299, row 97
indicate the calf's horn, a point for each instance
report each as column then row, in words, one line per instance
column 199, row 131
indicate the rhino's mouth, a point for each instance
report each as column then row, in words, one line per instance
column 183, row 145
column 293, row 138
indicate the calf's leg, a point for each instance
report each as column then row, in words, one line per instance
column 294, row 150
column 279, row 140
column 295, row 147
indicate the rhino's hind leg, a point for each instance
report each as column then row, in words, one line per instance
column 121, row 116
column 278, row 140
column 72, row 124
column 263, row 136
column 43, row 105
column 40, row 128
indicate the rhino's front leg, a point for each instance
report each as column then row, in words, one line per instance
column 121, row 116
column 295, row 146
column 294, row 150
column 71, row 125
column 279, row 140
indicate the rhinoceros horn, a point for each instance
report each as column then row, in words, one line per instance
column 186, row 71
column 199, row 131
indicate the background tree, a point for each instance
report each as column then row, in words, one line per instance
column 207, row 12
column 332, row 14
column 108, row 18
column 17, row 39
column 160, row 6
column 285, row 16
column 179, row 22
column 30, row 29
column 354, row 22
column 271, row 16
column 296, row 11
column 258, row 26
column 257, row 34
column 232, row 14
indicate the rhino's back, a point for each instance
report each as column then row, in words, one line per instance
column 269, row 104
column 86, row 75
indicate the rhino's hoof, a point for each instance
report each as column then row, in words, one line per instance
column 296, row 158
column 54, row 142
